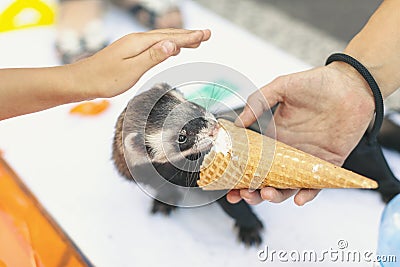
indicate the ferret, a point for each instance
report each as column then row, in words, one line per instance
column 159, row 131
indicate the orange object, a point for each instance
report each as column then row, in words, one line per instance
column 13, row 242
column 90, row 108
column 28, row 235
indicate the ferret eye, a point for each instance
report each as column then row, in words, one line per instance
column 182, row 139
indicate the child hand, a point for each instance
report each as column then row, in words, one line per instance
column 119, row 66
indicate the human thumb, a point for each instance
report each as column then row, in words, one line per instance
column 255, row 107
column 259, row 102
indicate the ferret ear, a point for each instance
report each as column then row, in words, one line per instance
column 162, row 86
column 134, row 148
column 166, row 88
column 177, row 94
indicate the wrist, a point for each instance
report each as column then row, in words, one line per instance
column 351, row 73
column 357, row 87
column 54, row 85
column 82, row 84
column 383, row 70
column 372, row 84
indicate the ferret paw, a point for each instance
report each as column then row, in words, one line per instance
column 161, row 207
column 250, row 236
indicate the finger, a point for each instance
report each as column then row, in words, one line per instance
column 233, row 196
column 260, row 101
column 305, row 195
column 169, row 30
column 251, row 197
column 189, row 39
column 133, row 44
column 276, row 195
column 153, row 56
column 206, row 32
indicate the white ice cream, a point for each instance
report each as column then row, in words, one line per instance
column 222, row 143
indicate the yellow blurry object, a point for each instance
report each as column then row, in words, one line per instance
column 26, row 13
column 29, row 237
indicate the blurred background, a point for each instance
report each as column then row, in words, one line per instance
column 308, row 29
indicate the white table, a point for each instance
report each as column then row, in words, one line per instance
column 65, row 161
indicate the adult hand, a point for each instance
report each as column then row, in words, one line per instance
column 119, row 66
column 323, row 111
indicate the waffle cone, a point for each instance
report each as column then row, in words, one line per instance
column 256, row 161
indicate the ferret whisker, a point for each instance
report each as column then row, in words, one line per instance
column 187, row 180
column 161, row 185
column 217, row 109
column 210, row 99
column 225, row 116
column 215, row 97
column 202, row 101
column 170, row 178
column 192, row 176
column 197, row 166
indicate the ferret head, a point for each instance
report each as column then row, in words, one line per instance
column 174, row 128
column 177, row 129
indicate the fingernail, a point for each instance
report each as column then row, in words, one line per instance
column 300, row 204
column 168, row 47
column 266, row 196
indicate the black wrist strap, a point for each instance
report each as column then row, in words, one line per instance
column 372, row 135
